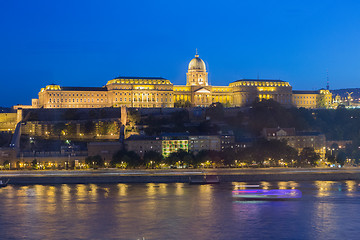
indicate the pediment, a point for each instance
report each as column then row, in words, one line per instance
column 202, row 90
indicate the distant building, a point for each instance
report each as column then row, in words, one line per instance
column 157, row 92
column 298, row 140
column 227, row 140
column 340, row 144
column 172, row 142
column 8, row 122
column 142, row 144
column 198, row 143
column 312, row 99
column 104, row 149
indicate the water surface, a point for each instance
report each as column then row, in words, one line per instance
column 327, row 210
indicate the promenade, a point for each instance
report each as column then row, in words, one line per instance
column 177, row 175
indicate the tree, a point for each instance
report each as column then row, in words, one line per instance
column 34, row 164
column 18, row 165
column 173, row 159
column 127, row 158
column 179, row 158
column 93, row 114
column 308, row 157
column 103, row 128
column 71, row 129
column 134, row 160
column 152, row 159
column 341, row 158
column 321, row 101
column 71, row 114
column 271, row 151
column 330, row 157
column 89, row 127
column 95, row 161
column 182, row 103
column 6, row 164
column 58, row 128
column 215, row 111
column 208, row 158
column 229, row 156
column 114, row 128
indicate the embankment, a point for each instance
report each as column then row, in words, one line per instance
column 172, row 176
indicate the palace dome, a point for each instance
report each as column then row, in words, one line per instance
column 197, row 64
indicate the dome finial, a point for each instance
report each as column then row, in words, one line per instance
column 196, row 54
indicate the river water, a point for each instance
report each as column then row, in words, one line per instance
column 327, row 210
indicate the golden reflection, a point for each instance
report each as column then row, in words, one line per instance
column 150, row 189
column 163, row 188
column 205, row 204
column 179, row 188
column 65, row 190
column 239, row 185
column 265, row 185
column 293, row 185
column 39, row 190
column 154, row 188
column 81, row 190
column 123, row 189
column 351, row 186
column 206, row 189
column 288, row 185
column 283, row 185
column 105, row 191
column 50, row 199
column 21, row 193
column 324, row 188
column 50, row 194
column 92, row 192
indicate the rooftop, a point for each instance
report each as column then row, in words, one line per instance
column 83, row 89
column 146, row 78
column 258, row 80
column 304, row 92
column 141, row 137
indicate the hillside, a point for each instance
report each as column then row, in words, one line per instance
column 344, row 92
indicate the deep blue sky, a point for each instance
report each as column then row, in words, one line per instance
column 87, row 43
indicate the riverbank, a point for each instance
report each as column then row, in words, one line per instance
column 176, row 175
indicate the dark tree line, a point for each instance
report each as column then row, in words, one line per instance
column 262, row 154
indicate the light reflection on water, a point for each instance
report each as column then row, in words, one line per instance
column 327, row 210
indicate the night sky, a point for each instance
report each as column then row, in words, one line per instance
column 87, row 43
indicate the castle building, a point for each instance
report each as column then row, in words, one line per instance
column 150, row 92
column 312, row 99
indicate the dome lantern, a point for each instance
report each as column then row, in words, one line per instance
column 197, row 74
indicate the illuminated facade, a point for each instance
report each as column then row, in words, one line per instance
column 122, row 91
column 174, row 143
column 312, row 99
column 147, row 92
